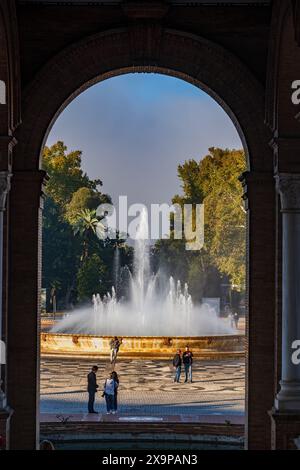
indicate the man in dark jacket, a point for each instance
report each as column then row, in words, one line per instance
column 92, row 388
column 177, row 364
column 187, row 359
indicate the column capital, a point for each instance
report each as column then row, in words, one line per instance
column 33, row 175
column 255, row 183
column 5, row 177
column 288, row 187
column 7, row 141
column 256, row 177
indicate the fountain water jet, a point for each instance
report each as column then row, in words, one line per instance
column 152, row 310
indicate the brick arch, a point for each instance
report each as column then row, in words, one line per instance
column 140, row 48
column 9, row 69
column 280, row 13
column 147, row 49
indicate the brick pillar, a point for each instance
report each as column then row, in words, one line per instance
column 24, row 308
column 4, row 189
column 7, row 143
column 260, row 326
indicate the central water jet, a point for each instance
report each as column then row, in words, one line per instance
column 155, row 307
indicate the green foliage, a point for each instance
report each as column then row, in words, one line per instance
column 70, row 224
column 214, row 182
column 171, row 254
column 224, row 212
column 86, row 225
column 83, row 199
column 79, row 264
column 61, row 252
column 65, row 172
column 91, row 277
column 190, row 177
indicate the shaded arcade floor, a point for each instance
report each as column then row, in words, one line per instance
column 146, row 387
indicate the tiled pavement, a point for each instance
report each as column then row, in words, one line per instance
column 146, row 387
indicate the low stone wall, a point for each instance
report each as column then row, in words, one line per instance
column 89, row 345
column 116, row 431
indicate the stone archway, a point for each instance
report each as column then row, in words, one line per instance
column 175, row 53
column 140, row 48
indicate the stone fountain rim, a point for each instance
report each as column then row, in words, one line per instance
column 229, row 336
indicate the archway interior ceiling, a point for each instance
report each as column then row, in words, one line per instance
column 44, row 32
column 73, row 59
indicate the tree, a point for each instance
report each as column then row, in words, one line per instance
column 190, row 176
column 224, row 212
column 172, row 256
column 91, row 278
column 214, row 182
column 86, row 225
column 71, row 198
column 84, row 198
column 66, row 174
column 61, row 252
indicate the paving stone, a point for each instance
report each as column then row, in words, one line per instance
column 146, row 387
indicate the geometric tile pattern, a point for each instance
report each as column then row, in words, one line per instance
column 146, row 387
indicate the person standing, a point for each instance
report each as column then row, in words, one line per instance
column 187, row 359
column 53, row 300
column 177, row 362
column 109, row 391
column 117, row 381
column 117, row 347
column 92, row 388
column 231, row 319
column 114, row 349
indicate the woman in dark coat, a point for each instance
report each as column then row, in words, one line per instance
column 116, row 379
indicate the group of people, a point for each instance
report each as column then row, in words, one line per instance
column 109, row 392
column 187, row 360
column 111, row 384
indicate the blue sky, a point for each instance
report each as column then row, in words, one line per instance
column 135, row 129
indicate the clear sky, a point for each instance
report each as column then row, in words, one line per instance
column 135, row 129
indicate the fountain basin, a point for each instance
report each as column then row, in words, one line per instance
column 146, row 346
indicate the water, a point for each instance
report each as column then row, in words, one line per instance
column 116, row 266
column 155, row 307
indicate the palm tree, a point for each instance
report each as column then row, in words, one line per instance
column 87, row 226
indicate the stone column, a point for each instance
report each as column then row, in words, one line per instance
column 288, row 186
column 4, row 189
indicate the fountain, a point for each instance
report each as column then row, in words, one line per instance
column 158, row 315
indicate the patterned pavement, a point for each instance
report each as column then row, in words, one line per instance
column 146, row 387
